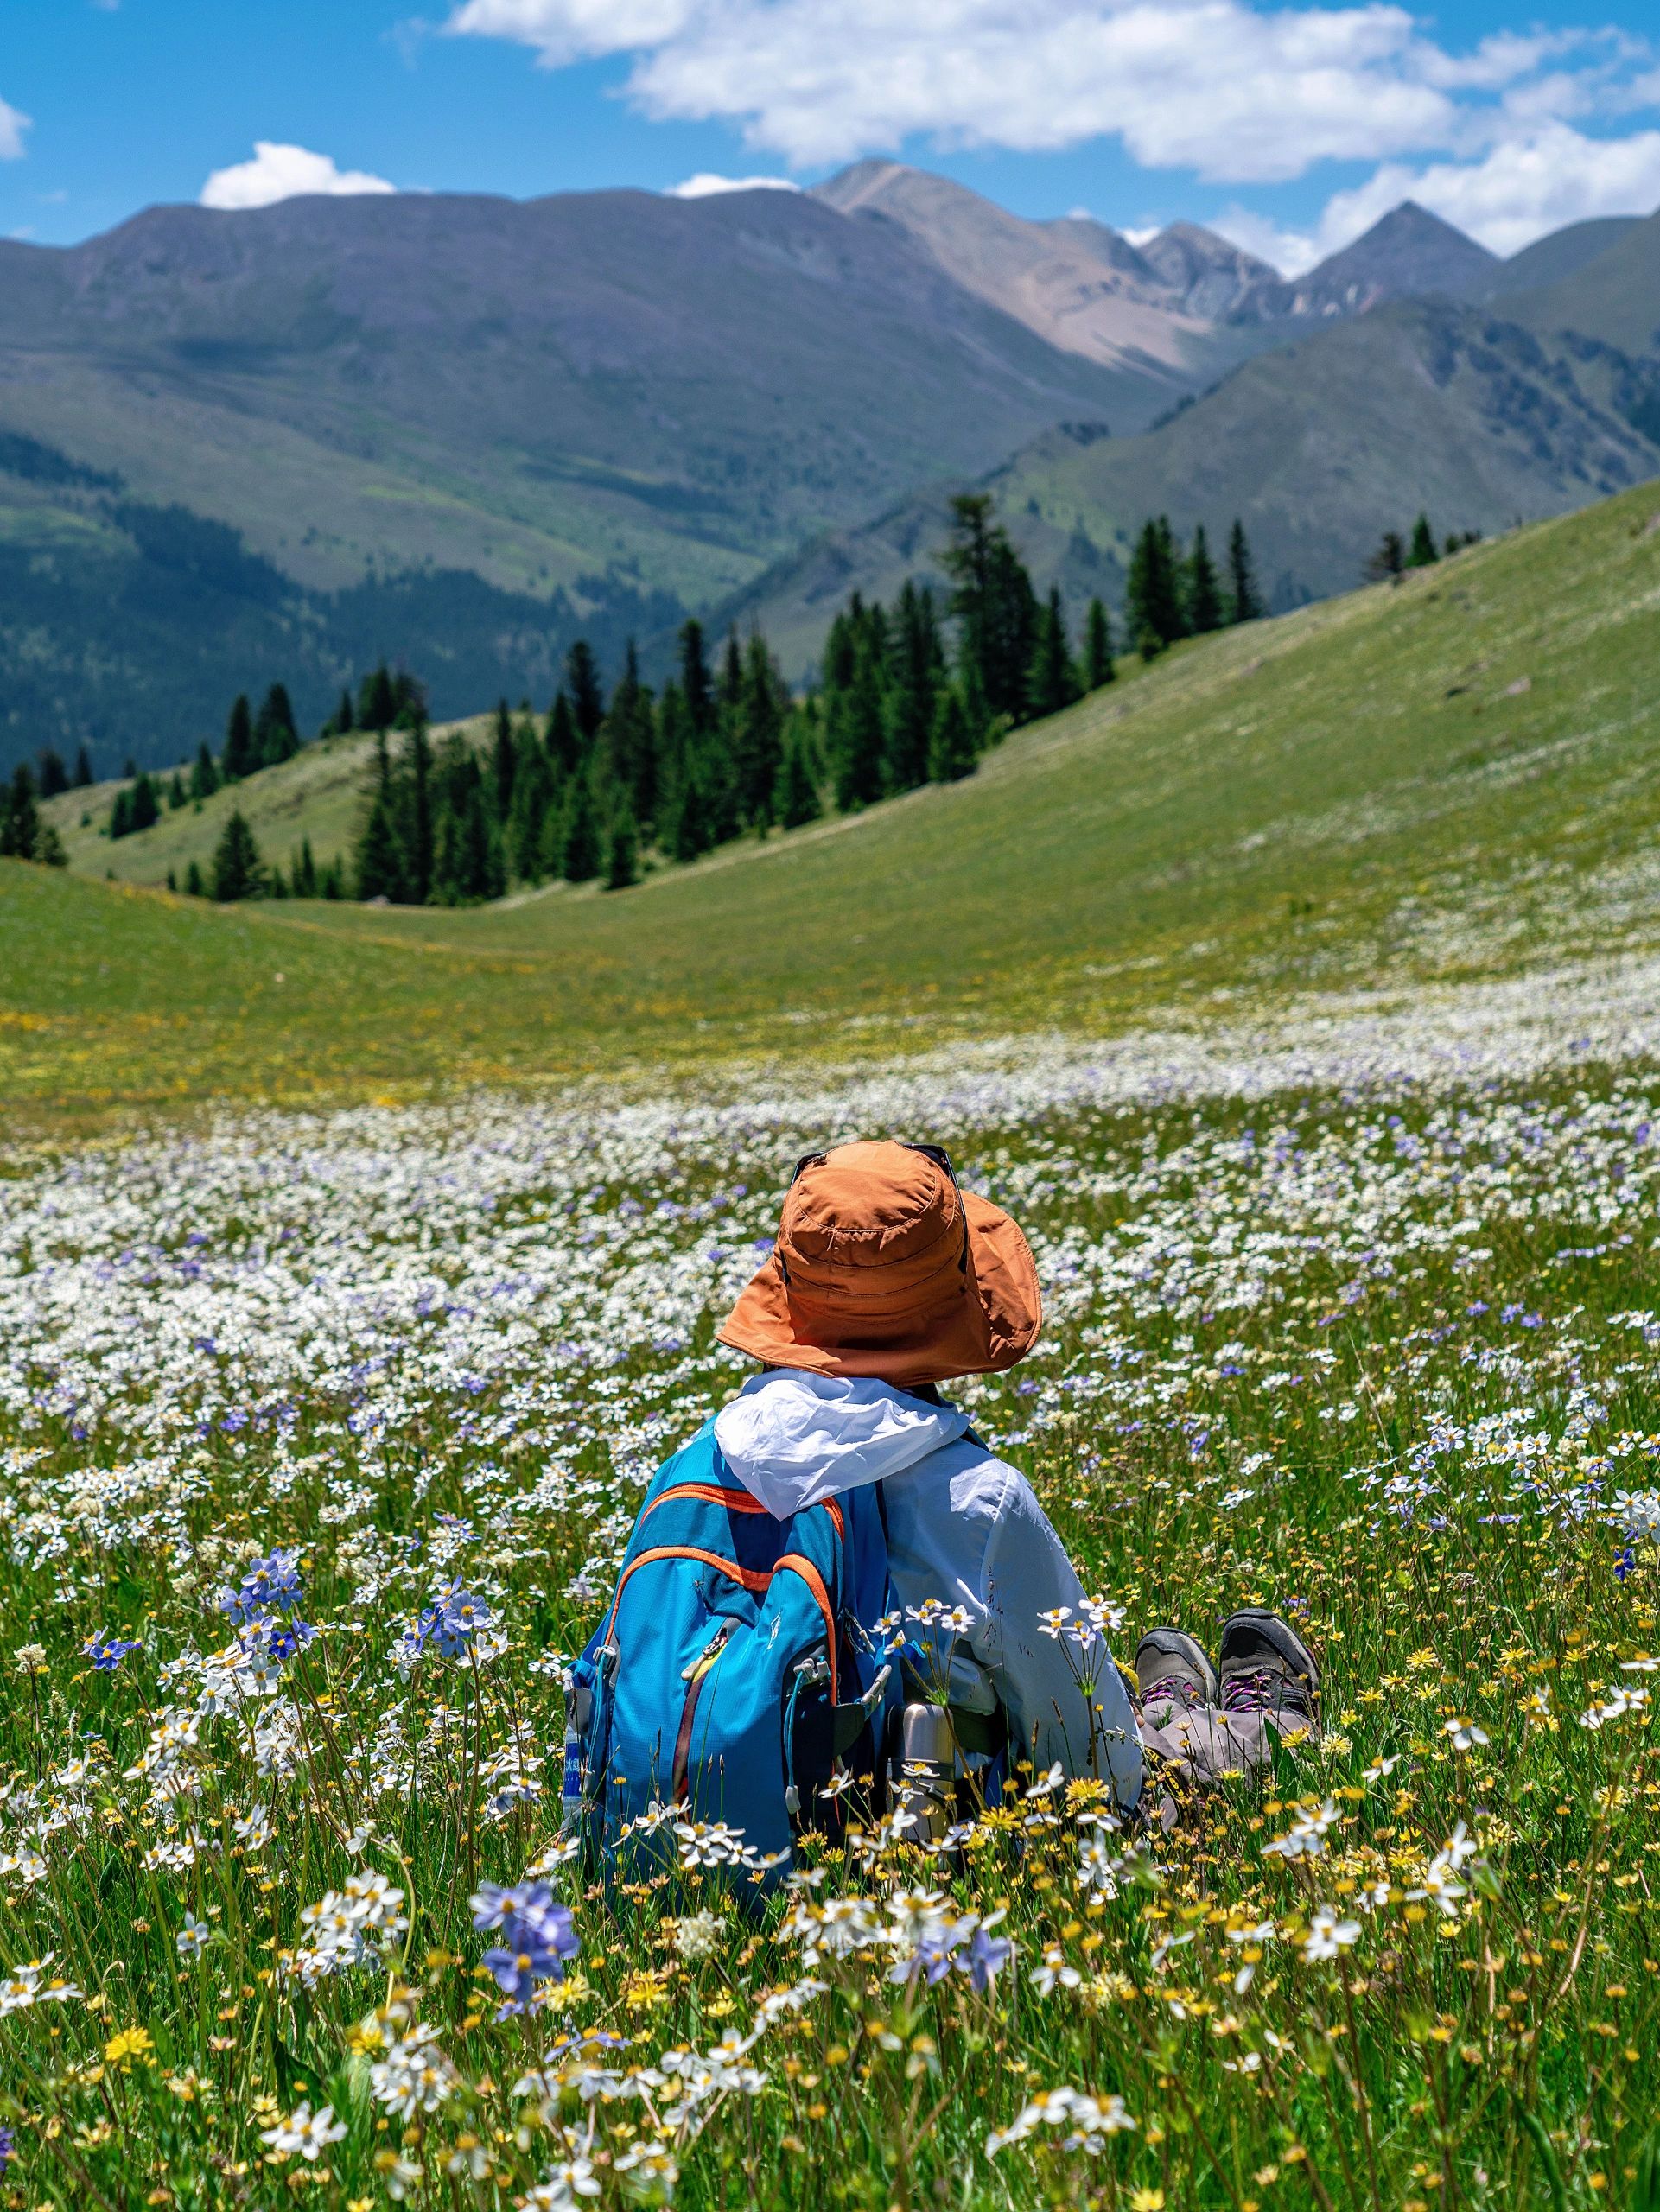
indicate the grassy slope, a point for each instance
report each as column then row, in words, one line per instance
column 1613, row 297
column 1353, row 792
column 319, row 794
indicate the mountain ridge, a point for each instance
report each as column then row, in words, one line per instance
column 604, row 409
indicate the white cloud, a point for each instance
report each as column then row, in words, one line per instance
column 1208, row 85
column 706, row 184
column 1290, row 251
column 1523, row 188
column 13, row 123
column 278, row 172
column 1220, row 87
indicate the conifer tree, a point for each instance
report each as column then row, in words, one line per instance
column 696, row 686
column 564, row 739
column 917, row 661
column 237, row 760
column 796, row 800
column 504, row 759
column 756, row 716
column 302, row 872
column 842, row 645
column 144, row 807
column 1421, row 553
column 533, row 796
column 417, row 840
column 238, row 870
column 693, row 832
column 1097, row 647
column 622, row 849
column 1204, row 591
column 731, row 687
column 48, row 846
column 952, row 754
column 630, row 741
column 345, row 716
column 20, row 822
column 1153, row 592
column 580, row 862
column 481, row 871
column 276, row 738
column 121, row 813
column 53, row 776
column 83, row 769
column 378, row 701
column 995, row 606
column 177, row 796
column 859, row 738
column 380, row 860
column 587, row 697
column 1246, row 600
column 1390, row 559
column 204, row 775
column 449, row 858
column 1051, row 681
column 194, row 885
column 674, row 740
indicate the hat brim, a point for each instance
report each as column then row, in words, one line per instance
column 991, row 1326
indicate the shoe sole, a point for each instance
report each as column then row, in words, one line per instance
column 1174, row 1642
column 1280, row 1637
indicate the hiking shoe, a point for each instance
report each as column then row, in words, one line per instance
column 1267, row 1668
column 1171, row 1668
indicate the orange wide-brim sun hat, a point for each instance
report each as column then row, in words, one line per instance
column 883, row 1267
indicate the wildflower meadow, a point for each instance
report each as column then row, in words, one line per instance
column 320, row 1436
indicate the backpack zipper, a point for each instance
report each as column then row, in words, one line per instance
column 679, row 1782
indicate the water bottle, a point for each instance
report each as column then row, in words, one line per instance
column 928, row 1769
column 570, row 1790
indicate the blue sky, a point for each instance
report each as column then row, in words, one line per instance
column 1290, row 127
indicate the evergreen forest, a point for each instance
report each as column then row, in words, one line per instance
column 608, row 783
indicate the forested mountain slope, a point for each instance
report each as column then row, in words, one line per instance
column 1452, row 775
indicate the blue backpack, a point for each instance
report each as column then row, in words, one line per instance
column 738, row 1665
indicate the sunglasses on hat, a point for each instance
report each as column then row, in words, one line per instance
column 937, row 1153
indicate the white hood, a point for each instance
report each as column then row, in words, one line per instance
column 793, row 1439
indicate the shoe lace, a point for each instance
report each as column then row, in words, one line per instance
column 1255, row 1690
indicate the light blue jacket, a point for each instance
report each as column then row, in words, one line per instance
column 963, row 1529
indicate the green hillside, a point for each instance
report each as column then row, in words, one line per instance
column 1450, row 777
column 319, row 794
column 1320, row 446
column 1615, row 297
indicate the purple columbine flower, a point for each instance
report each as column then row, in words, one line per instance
column 452, row 1620
column 267, row 1586
column 107, row 1653
column 538, row 1936
column 988, row 1956
column 285, row 1639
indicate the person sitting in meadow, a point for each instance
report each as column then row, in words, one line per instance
column 887, row 1280
column 834, row 1597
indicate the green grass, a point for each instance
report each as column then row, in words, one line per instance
column 1449, row 778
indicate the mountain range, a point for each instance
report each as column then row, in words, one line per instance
column 458, row 430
